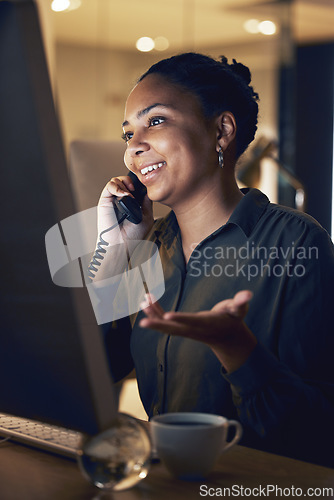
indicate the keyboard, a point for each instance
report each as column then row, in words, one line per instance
column 49, row 437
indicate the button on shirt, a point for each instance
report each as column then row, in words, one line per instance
column 287, row 260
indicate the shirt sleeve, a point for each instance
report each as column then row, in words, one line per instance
column 287, row 399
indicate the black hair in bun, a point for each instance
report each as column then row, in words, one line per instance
column 241, row 70
column 218, row 85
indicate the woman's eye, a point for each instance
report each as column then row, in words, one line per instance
column 156, row 121
column 127, row 136
column 152, row 122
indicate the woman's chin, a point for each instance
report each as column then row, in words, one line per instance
column 158, row 196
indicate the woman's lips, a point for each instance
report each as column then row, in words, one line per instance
column 151, row 172
column 150, row 168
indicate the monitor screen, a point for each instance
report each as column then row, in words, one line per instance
column 53, row 365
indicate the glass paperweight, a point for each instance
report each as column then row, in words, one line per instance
column 118, row 458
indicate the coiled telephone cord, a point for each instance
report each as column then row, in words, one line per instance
column 98, row 254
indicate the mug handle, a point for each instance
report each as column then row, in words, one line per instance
column 237, row 435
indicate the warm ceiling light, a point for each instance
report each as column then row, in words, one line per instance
column 267, row 28
column 255, row 26
column 161, row 43
column 75, row 4
column 60, row 5
column 252, row 25
column 145, row 44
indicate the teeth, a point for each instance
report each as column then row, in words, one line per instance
column 145, row 170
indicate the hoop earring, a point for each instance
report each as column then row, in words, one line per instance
column 221, row 157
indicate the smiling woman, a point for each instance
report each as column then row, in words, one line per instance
column 251, row 341
column 164, row 125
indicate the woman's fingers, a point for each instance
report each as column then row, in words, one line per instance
column 237, row 306
column 164, row 326
column 151, row 307
column 117, row 186
column 128, row 183
column 210, row 327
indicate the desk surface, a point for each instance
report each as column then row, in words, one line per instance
column 29, row 474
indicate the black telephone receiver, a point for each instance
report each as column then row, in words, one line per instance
column 131, row 207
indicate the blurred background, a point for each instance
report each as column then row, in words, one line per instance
column 97, row 49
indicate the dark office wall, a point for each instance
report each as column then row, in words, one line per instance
column 314, row 127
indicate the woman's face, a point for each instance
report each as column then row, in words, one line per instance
column 171, row 147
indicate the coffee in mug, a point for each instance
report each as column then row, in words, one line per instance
column 189, row 444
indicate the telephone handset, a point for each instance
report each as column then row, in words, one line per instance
column 128, row 207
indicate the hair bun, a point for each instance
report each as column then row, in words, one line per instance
column 241, row 70
column 237, row 68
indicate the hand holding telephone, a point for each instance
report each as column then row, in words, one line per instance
column 126, row 207
column 131, row 207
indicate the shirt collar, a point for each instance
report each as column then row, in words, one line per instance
column 167, row 229
column 249, row 210
column 246, row 215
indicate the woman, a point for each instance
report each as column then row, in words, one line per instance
column 247, row 331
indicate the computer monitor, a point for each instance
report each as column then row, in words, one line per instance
column 53, row 365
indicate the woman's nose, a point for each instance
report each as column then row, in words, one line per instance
column 137, row 145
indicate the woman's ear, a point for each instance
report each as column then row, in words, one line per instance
column 226, row 130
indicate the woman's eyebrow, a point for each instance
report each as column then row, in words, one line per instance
column 144, row 111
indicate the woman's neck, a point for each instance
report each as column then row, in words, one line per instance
column 198, row 218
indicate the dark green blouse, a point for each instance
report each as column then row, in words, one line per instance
column 286, row 388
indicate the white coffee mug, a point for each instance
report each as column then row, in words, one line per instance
column 189, row 444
